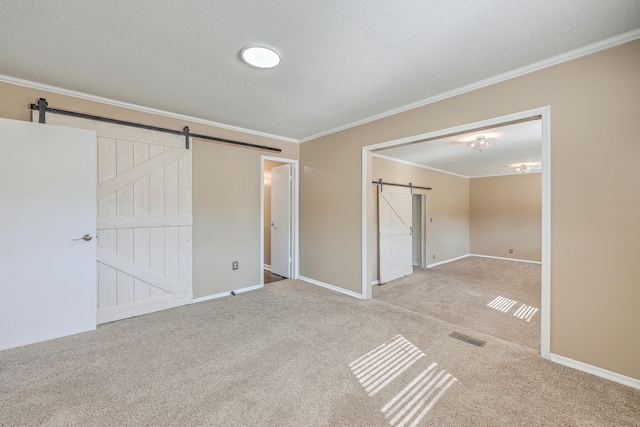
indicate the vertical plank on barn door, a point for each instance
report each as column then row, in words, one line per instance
column 171, row 200
column 185, row 210
column 144, row 219
column 107, row 277
column 156, row 208
column 124, row 209
column 141, row 251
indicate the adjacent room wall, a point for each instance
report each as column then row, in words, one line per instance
column 505, row 212
column 447, row 236
column 226, row 188
column 595, row 208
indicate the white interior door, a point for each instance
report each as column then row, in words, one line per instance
column 47, row 203
column 395, row 232
column 144, row 219
column 281, row 220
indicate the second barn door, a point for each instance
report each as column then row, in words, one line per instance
column 394, row 232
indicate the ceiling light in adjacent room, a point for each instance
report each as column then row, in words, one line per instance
column 480, row 143
column 524, row 168
column 260, row 56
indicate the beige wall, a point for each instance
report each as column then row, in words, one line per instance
column 267, row 209
column 447, row 237
column 505, row 212
column 595, row 219
column 226, row 188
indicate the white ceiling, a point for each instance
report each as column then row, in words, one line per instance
column 514, row 145
column 343, row 62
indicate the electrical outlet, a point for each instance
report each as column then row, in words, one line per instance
column 434, row 256
column 234, row 265
column 510, row 251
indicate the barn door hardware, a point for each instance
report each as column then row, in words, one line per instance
column 411, row 186
column 43, row 107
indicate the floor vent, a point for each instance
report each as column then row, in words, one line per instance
column 467, row 339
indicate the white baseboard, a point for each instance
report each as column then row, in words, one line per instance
column 594, row 370
column 446, row 261
column 375, row 282
column 506, row 259
column 125, row 311
column 228, row 293
column 267, row 267
column 332, row 287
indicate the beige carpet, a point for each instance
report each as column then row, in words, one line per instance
column 284, row 356
column 458, row 292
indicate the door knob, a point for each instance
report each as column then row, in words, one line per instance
column 273, row 225
column 86, row 238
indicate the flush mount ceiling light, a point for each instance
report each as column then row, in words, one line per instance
column 524, row 168
column 260, row 56
column 480, row 143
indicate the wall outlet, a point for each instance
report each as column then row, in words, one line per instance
column 510, row 251
column 434, row 256
column 234, row 265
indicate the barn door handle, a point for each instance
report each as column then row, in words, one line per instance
column 86, row 238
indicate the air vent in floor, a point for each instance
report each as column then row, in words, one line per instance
column 467, row 339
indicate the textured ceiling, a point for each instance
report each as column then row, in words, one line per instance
column 342, row 61
column 514, row 144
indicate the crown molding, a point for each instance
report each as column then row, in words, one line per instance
column 392, row 159
column 555, row 60
column 115, row 103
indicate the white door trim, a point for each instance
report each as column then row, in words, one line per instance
column 545, row 288
column 295, row 236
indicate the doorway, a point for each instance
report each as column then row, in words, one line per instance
column 279, row 219
column 418, row 238
column 543, row 114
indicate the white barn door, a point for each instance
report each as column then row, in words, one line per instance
column 144, row 219
column 394, row 232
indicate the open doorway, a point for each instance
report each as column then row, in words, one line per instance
column 279, row 219
column 418, row 238
column 435, row 254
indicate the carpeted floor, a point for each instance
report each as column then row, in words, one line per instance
column 293, row 354
column 459, row 293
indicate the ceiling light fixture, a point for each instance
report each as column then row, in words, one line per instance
column 480, row 143
column 260, row 56
column 524, row 168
